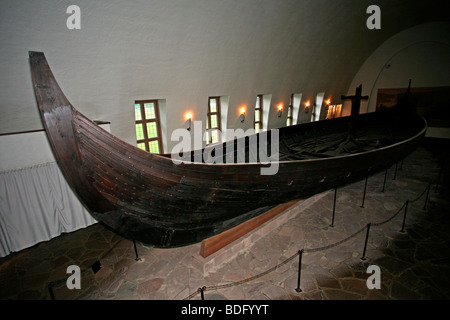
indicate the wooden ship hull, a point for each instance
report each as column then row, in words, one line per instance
column 155, row 200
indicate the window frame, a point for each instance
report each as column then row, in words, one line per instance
column 209, row 128
column 259, row 107
column 290, row 114
column 144, row 121
column 334, row 111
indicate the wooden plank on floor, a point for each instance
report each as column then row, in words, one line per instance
column 217, row 242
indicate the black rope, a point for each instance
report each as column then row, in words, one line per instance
column 421, row 195
column 228, row 285
column 389, row 219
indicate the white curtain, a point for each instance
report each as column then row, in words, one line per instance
column 37, row 204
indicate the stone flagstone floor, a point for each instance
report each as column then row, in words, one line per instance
column 414, row 264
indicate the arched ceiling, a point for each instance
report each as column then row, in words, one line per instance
column 185, row 50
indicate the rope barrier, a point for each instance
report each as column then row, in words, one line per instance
column 366, row 227
column 389, row 219
column 423, row 192
column 337, row 243
column 244, row 280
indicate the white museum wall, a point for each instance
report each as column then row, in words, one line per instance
column 181, row 52
column 420, row 53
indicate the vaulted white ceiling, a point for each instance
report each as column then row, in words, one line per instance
column 186, row 50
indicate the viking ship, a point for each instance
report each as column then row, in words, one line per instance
column 166, row 202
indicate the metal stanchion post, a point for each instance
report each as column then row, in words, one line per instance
column 364, row 195
column 365, row 244
column 395, row 173
column 404, row 216
column 438, row 180
column 384, row 182
column 201, row 292
column 135, row 251
column 50, row 290
column 300, row 253
column 334, row 207
column 427, row 196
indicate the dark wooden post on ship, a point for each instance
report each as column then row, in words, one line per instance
column 356, row 105
column 356, row 100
